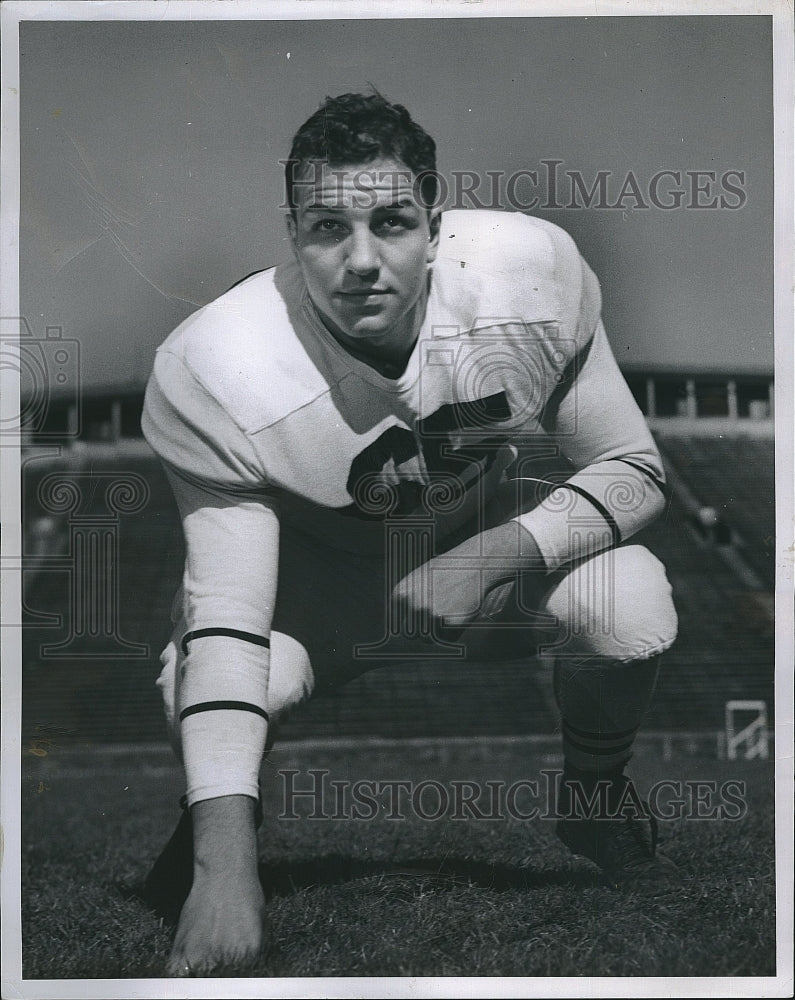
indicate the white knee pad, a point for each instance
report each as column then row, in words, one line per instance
column 290, row 683
column 167, row 680
column 291, row 679
column 616, row 606
column 167, row 685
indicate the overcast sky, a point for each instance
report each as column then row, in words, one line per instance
column 151, row 181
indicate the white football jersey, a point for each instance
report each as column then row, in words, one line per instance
column 267, row 427
column 253, row 399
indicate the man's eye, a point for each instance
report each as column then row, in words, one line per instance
column 392, row 222
column 329, row 226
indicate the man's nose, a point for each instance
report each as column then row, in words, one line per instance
column 363, row 257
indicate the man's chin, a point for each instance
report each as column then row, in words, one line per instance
column 367, row 329
column 362, row 329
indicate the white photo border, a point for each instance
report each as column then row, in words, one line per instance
column 13, row 13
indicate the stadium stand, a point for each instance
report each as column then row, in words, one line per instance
column 735, row 476
column 725, row 648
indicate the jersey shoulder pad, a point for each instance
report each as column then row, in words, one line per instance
column 523, row 266
column 243, row 350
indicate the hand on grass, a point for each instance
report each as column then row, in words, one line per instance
column 222, row 923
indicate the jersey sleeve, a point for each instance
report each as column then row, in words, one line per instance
column 618, row 485
column 230, row 525
column 193, row 434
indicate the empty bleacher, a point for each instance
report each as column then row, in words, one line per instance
column 724, row 651
column 735, row 475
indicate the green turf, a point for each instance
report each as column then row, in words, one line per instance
column 408, row 897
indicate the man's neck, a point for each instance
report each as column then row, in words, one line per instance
column 391, row 359
column 389, row 362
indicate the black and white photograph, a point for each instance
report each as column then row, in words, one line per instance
column 397, row 499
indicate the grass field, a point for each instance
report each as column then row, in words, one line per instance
column 396, row 897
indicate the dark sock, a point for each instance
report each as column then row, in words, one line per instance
column 585, row 793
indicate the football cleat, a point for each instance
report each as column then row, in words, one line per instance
column 625, row 849
column 623, row 846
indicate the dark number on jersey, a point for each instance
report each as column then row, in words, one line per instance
column 408, row 461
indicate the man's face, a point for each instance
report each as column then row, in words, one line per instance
column 364, row 244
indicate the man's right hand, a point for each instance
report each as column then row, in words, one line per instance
column 222, row 923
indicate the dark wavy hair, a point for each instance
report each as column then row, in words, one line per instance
column 355, row 129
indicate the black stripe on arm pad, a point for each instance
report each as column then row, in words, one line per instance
column 216, row 706
column 200, row 633
column 646, row 472
column 611, row 522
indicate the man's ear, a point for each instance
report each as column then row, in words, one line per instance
column 292, row 230
column 435, row 225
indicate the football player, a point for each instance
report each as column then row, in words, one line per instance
column 393, row 446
